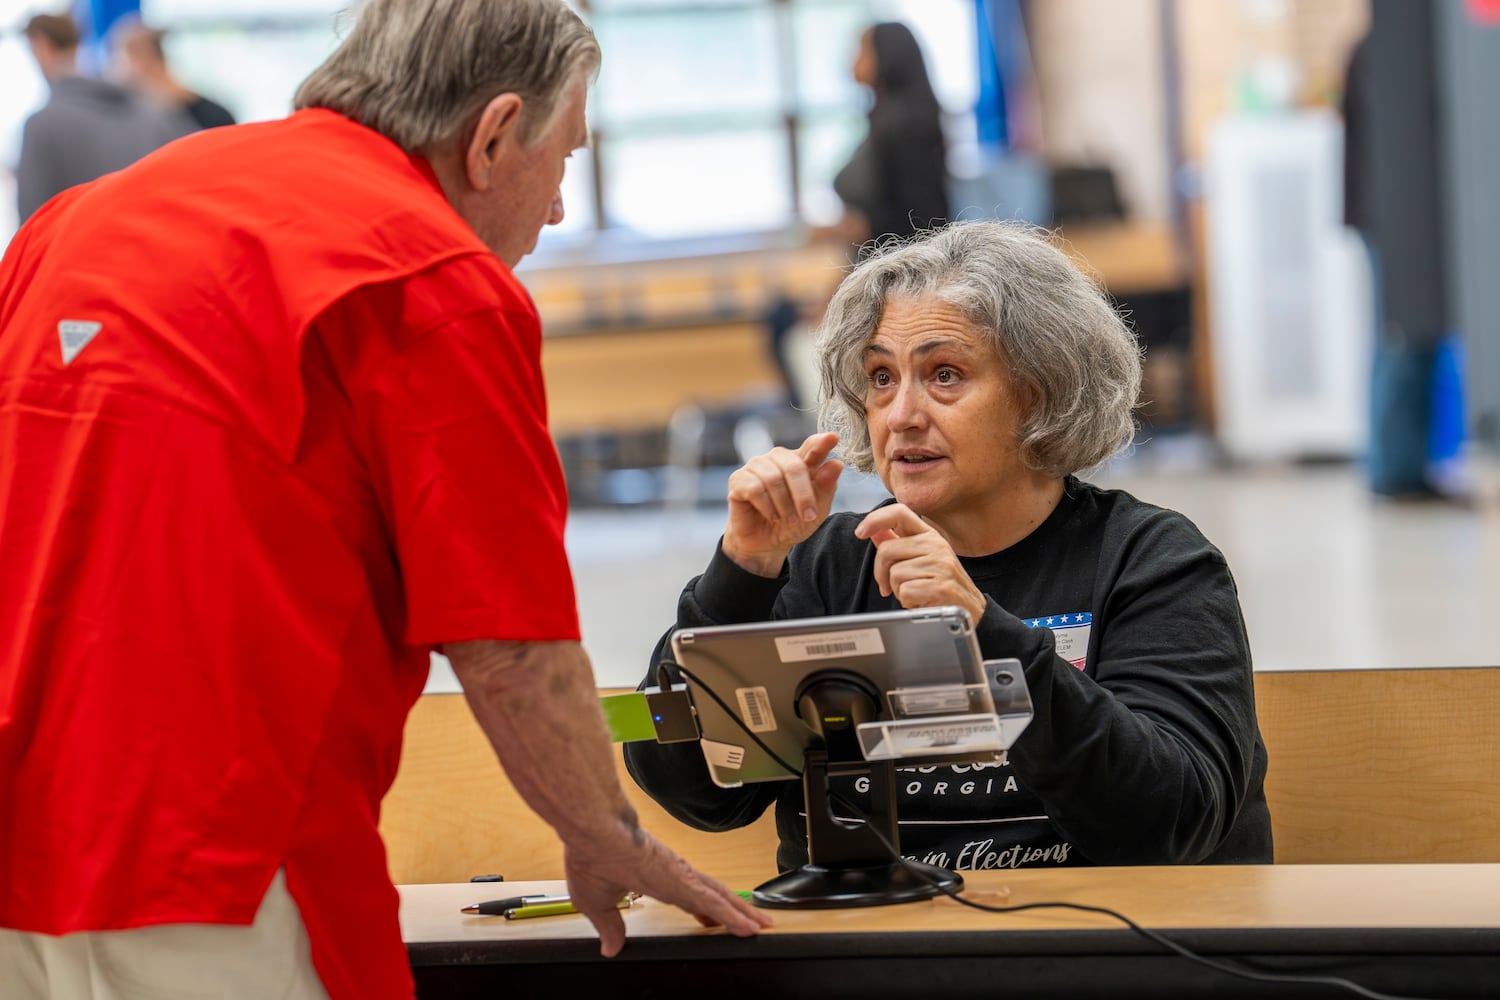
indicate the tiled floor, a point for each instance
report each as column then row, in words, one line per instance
column 1329, row 577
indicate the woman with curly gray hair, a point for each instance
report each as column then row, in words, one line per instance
column 976, row 371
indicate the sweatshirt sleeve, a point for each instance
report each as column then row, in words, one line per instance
column 36, row 171
column 1146, row 758
column 674, row 774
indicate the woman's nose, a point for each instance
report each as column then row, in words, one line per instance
column 906, row 408
column 556, row 215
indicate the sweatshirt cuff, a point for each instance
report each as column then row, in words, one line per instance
column 729, row 594
column 1001, row 634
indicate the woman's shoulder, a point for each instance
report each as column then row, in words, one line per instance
column 1122, row 514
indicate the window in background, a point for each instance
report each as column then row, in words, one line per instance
column 733, row 116
column 664, row 63
column 687, row 118
column 248, row 55
column 710, row 117
column 578, row 196
column 253, row 71
column 945, row 30
column 830, row 105
column 241, row 11
column 700, row 184
column 22, row 91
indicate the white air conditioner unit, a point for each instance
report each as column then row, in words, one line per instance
column 1290, row 295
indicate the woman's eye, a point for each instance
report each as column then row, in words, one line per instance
column 946, row 376
column 880, row 378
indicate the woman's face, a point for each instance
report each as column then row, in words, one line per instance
column 864, row 60
column 943, row 414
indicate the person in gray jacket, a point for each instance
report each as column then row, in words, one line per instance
column 87, row 128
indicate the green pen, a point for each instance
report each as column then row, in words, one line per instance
column 558, row 909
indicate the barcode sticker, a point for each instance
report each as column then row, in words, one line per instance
column 828, row 645
column 755, row 709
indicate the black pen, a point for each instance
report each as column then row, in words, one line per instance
column 497, row 907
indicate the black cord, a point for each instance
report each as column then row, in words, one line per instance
column 794, row 771
column 1155, row 937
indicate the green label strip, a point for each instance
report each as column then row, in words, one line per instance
column 627, row 717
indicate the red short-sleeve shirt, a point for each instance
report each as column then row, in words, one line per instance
column 303, row 442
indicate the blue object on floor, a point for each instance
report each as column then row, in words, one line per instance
column 1400, row 417
column 1445, row 432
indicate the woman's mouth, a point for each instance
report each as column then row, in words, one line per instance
column 914, row 460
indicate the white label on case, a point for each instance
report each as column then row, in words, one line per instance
column 725, row 755
column 755, row 709
column 829, row 645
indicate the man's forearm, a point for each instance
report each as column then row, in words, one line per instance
column 538, row 704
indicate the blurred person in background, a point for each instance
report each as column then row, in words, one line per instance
column 87, row 128
column 1393, row 200
column 141, row 59
column 978, row 372
column 894, row 185
column 896, row 182
column 252, row 391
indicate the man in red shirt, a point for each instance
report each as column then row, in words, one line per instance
column 272, row 428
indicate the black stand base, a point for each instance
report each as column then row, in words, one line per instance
column 818, row 888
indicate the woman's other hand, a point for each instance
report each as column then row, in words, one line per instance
column 914, row 562
column 777, row 500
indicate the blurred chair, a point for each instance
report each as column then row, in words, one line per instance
column 1085, row 194
column 1008, row 186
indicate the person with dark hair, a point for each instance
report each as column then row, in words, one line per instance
column 143, row 66
column 896, row 183
column 1392, row 199
column 978, row 372
column 87, row 128
column 274, row 432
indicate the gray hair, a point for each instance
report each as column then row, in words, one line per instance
column 420, row 71
column 1069, row 352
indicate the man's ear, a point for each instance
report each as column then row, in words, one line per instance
column 498, row 132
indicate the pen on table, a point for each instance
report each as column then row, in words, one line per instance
column 556, row 909
column 496, row 907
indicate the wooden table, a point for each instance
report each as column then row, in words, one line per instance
column 1417, row 930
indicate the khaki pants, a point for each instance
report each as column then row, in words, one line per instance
column 268, row 960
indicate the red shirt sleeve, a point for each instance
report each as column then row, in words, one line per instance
column 443, row 376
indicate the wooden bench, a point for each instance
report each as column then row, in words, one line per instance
column 1367, row 766
column 628, row 343
column 614, row 381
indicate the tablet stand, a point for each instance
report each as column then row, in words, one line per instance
column 849, row 863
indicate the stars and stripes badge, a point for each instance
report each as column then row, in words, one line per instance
column 1070, row 632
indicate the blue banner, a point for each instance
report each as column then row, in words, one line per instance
column 990, row 111
column 96, row 17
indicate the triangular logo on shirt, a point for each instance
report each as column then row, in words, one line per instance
column 75, row 335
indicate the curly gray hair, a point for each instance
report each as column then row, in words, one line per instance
column 420, row 71
column 1067, row 348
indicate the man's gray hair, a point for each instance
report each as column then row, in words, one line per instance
column 421, row 71
column 1074, row 363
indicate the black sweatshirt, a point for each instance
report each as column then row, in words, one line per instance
column 1144, row 748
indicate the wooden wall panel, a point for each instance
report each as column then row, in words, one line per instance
column 1383, row 765
column 452, row 814
column 1367, row 766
